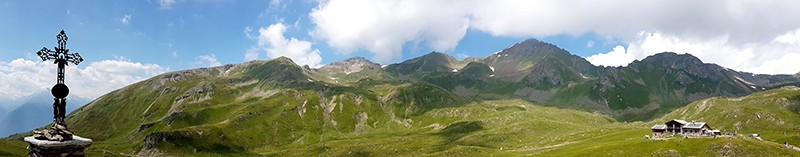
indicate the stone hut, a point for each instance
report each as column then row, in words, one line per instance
column 658, row 130
column 681, row 127
column 697, row 129
column 675, row 126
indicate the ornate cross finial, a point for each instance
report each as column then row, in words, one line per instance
column 61, row 55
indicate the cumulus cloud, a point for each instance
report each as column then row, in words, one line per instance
column 125, row 19
column 208, row 60
column 166, row 4
column 91, row 81
column 616, row 57
column 272, row 41
column 382, row 27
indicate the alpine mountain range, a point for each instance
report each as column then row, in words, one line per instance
column 529, row 98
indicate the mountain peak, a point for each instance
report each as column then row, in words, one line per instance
column 533, row 47
column 356, row 59
column 350, row 65
column 673, row 58
column 353, row 60
column 435, row 54
column 283, row 59
column 281, row 69
column 532, row 41
column 435, row 57
column 684, row 62
column 431, row 62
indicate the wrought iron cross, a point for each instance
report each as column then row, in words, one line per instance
column 61, row 55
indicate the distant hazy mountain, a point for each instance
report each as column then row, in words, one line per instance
column 10, row 104
column 35, row 112
column 3, row 112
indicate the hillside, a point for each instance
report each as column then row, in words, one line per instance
column 773, row 114
column 13, row 148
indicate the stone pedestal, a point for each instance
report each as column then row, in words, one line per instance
column 69, row 148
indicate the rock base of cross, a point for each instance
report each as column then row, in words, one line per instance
column 68, row 148
column 58, row 132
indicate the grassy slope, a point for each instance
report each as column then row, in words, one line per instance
column 492, row 127
column 629, row 141
column 774, row 114
column 12, row 148
column 519, row 128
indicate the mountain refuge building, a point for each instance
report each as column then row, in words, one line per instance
column 681, row 127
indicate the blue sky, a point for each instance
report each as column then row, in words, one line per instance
column 191, row 29
column 127, row 41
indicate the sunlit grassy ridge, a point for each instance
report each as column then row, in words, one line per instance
column 12, row 148
column 490, row 127
column 773, row 114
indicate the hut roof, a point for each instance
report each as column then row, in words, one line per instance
column 679, row 121
column 659, row 127
column 695, row 125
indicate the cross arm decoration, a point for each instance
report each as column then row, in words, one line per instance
column 75, row 58
column 46, row 54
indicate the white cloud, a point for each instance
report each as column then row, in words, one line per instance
column 382, row 27
column 166, row 4
column 617, row 57
column 25, row 77
column 789, row 38
column 590, row 44
column 208, row 60
column 125, row 19
column 272, row 41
